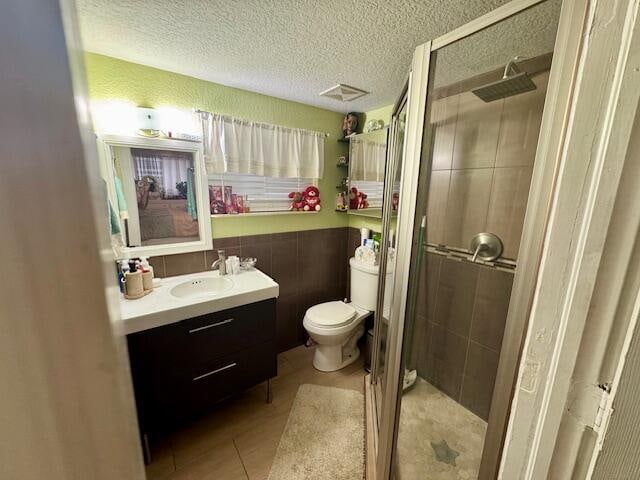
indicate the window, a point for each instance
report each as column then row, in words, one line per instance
column 259, row 162
column 265, row 194
column 373, row 189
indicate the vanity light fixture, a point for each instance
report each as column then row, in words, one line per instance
column 344, row 93
column 147, row 122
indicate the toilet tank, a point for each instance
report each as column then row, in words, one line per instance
column 364, row 284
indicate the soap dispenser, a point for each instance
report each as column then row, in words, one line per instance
column 147, row 275
column 146, row 266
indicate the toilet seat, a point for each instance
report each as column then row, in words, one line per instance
column 331, row 314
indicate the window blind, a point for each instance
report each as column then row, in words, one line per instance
column 266, row 194
column 373, row 189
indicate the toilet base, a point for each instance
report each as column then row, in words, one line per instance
column 329, row 358
column 325, row 361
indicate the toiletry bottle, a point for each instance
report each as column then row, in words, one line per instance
column 122, row 273
column 364, row 235
column 134, row 288
column 146, row 267
column 376, row 241
column 147, row 275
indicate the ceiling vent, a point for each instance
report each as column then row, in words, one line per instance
column 343, row 93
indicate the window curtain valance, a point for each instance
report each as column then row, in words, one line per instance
column 367, row 160
column 232, row 145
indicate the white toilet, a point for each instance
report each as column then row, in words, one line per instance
column 336, row 326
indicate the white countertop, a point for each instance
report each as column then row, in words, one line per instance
column 162, row 308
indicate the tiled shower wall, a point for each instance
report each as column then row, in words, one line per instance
column 460, row 319
column 483, row 155
column 310, row 266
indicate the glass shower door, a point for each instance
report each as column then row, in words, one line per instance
column 387, row 252
column 474, row 114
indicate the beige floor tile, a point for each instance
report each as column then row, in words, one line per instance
column 237, row 416
column 257, row 448
column 218, row 464
column 300, row 357
column 284, row 366
column 247, row 425
column 162, row 463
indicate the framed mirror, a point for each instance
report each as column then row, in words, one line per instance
column 158, row 196
column 367, row 157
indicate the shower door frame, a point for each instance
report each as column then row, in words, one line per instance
column 376, row 396
column 548, row 152
column 389, row 178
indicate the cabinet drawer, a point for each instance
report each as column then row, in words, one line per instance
column 198, row 389
column 181, row 370
column 218, row 334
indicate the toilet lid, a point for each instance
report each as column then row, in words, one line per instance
column 331, row 314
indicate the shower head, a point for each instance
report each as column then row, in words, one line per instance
column 513, row 82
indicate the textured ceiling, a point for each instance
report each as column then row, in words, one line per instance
column 292, row 49
column 528, row 34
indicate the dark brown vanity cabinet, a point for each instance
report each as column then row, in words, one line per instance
column 181, row 370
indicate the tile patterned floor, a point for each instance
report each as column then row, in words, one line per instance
column 239, row 439
column 438, row 438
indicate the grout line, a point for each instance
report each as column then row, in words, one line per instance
column 483, row 346
column 497, row 167
column 466, row 358
column 246, row 474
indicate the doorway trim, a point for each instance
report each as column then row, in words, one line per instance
column 67, row 404
column 600, row 119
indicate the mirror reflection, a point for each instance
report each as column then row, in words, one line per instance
column 153, row 195
column 367, row 156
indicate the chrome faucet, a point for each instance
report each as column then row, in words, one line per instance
column 220, row 263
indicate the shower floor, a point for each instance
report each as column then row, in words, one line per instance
column 438, row 438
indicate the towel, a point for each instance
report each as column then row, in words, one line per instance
column 114, row 223
column 366, row 256
column 191, row 195
column 122, row 203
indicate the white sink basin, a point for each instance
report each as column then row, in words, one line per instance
column 188, row 296
column 202, row 287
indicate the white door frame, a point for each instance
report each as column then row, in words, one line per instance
column 67, row 401
column 604, row 104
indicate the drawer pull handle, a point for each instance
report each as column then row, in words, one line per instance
column 213, row 372
column 217, row 324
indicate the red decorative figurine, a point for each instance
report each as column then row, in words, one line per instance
column 311, row 197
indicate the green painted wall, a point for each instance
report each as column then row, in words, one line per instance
column 382, row 113
column 357, row 221
column 112, row 79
